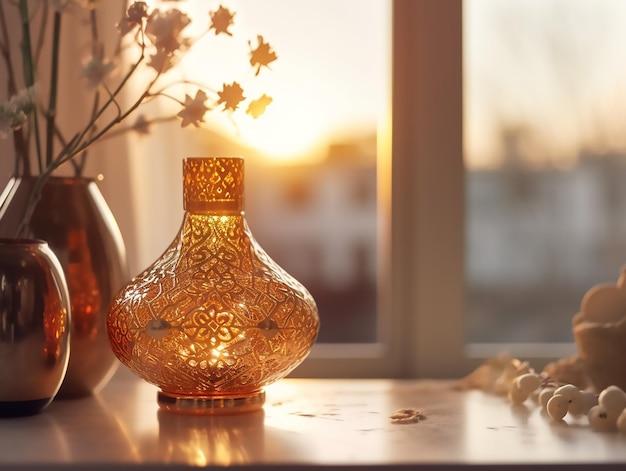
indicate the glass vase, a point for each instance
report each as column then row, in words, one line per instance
column 73, row 217
column 214, row 319
column 34, row 326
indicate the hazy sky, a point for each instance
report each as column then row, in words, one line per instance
column 554, row 67
column 331, row 71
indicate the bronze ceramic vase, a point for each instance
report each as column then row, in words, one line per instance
column 74, row 219
column 34, row 326
column 214, row 319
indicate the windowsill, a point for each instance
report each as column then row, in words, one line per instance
column 306, row 422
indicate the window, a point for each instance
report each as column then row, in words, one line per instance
column 422, row 286
column 545, row 166
column 419, row 238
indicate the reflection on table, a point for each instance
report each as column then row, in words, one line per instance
column 306, row 422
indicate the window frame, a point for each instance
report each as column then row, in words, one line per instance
column 421, row 267
column 422, row 282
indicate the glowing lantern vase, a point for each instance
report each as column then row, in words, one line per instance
column 214, row 319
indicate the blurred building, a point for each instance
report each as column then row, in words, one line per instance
column 539, row 237
column 530, row 226
column 319, row 222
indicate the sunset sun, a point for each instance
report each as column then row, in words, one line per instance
column 284, row 132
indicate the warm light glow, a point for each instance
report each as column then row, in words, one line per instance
column 320, row 85
column 289, row 130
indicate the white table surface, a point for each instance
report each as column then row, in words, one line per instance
column 305, row 422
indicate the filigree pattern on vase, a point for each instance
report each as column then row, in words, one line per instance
column 204, row 299
column 214, row 319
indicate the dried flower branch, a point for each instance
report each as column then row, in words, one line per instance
column 158, row 38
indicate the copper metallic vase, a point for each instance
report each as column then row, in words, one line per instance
column 74, row 219
column 34, row 326
column 214, row 319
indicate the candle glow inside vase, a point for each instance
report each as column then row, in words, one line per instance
column 214, row 319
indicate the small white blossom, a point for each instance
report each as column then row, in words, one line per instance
column 97, row 68
column 162, row 61
column 25, row 99
column 134, row 17
column 137, row 12
column 164, row 28
column 5, row 126
column 11, row 119
column 14, row 112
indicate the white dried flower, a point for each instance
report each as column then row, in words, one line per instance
column 164, row 28
column 14, row 112
column 162, row 61
column 97, row 68
column 25, row 99
column 5, row 126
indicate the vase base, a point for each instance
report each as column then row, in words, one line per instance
column 23, row 408
column 211, row 405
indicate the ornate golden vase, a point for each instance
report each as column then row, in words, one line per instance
column 34, row 326
column 73, row 218
column 214, row 319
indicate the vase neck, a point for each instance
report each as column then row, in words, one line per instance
column 214, row 230
column 213, row 185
